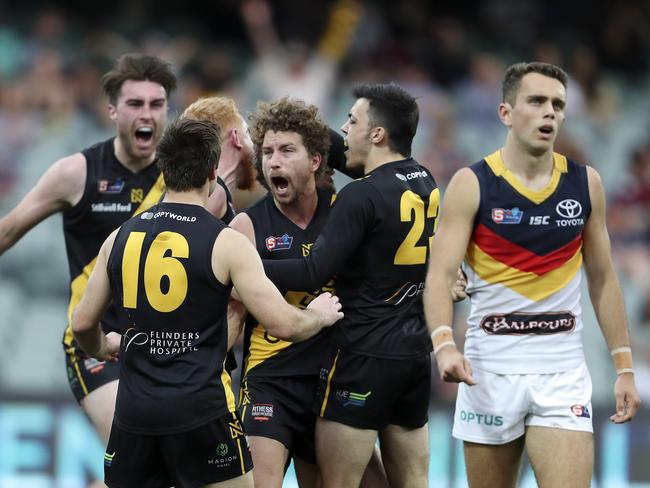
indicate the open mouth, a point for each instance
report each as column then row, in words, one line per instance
column 546, row 129
column 144, row 134
column 279, row 183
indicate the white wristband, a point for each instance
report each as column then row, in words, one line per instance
column 444, row 344
column 620, row 349
column 624, row 370
column 440, row 329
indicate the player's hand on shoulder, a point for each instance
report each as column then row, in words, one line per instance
column 328, row 307
column 458, row 292
column 453, row 366
column 627, row 397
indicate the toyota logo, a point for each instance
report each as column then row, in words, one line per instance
column 569, row 208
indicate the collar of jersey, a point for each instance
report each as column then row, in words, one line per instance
column 498, row 167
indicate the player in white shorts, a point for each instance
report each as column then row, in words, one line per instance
column 499, row 407
column 525, row 219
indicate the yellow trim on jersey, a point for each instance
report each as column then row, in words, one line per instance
column 155, row 192
column 530, row 285
column 226, row 382
column 77, row 288
column 329, row 384
column 261, row 349
column 241, row 457
column 560, row 165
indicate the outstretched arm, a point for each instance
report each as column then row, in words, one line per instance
column 350, row 218
column 459, row 206
column 607, row 299
column 60, row 187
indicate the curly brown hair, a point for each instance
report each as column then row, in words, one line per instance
column 290, row 115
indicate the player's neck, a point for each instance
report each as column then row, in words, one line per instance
column 134, row 165
column 380, row 156
column 533, row 170
column 193, row 197
column 301, row 212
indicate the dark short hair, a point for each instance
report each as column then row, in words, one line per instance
column 187, row 153
column 290, row 115
column 392, row 108
column 514, row 74
column 137, row 67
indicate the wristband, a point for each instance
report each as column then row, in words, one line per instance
column 624, row 370
column 622, row 359
column 437, row 348
column 442, row 336
column 620, row 349
column 439, row 330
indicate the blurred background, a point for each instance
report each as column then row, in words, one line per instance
column 451, row 55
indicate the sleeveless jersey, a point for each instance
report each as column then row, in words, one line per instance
column 277, row 238
column 172, row 313
column 377, row 241
column 523, row 267
column 112, row 195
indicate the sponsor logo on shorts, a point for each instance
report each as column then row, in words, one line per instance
column 262, row 412
column 481, row 418
column 281, row 243
column 222, row 449
column 110, row 187
column 580, row 411
column 93, row 366
column 529, row 323
column 507, row 215
column 108, row 459
column 351, row 399
column 223, row 460
column 161, row 343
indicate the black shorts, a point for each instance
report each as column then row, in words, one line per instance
column 214, row 452
column 281, row 409
column 86, row 374
column 371, row 393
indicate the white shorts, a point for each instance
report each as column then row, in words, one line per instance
column 499, row 407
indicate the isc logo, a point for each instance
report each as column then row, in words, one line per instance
column 539, row 220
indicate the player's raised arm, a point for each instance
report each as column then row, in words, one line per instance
column 60, row 187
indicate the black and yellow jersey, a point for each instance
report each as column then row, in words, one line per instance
column 278, row 238
column 112, row 195
column 172, row 314
column 377, row 242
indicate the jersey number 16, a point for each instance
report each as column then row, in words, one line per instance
column 156, row 267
